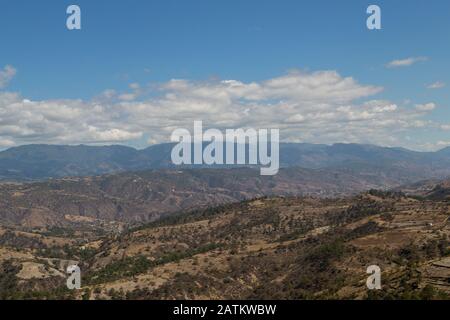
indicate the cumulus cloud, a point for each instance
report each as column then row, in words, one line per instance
column 136, row 92
column 405, row 62
column 6, row 143
column 426, row 107
column 6, row 75
column 60, row 121
column 317, row 107
column 443, row 144
column 436, row 85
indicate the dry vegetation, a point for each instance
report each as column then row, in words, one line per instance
column 268, row 248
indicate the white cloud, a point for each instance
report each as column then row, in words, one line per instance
column 6, row 75
column 434, row 146
column 136, row 92
column 297, row 118
column 6, row 143
column 317, row 107
column 112, row 135
column 128, row 97
column 443, row 144
column 426, row 107
column 436, row 85
column 405, row 62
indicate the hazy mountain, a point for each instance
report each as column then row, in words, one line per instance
column 37, row 162
column 47, row 161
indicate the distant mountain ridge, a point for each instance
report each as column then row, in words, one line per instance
column 39, row 162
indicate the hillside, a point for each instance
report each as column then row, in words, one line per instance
column 148, row 195
column 267, row 248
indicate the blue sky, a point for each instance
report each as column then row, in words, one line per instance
column 146, row 44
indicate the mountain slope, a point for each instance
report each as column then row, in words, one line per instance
column 38, row 162
column 276, row 248
column 147, row 195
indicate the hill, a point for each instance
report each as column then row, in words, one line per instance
column 268, row 248
column 148, row 195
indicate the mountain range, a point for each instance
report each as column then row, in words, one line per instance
column 40, row 162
